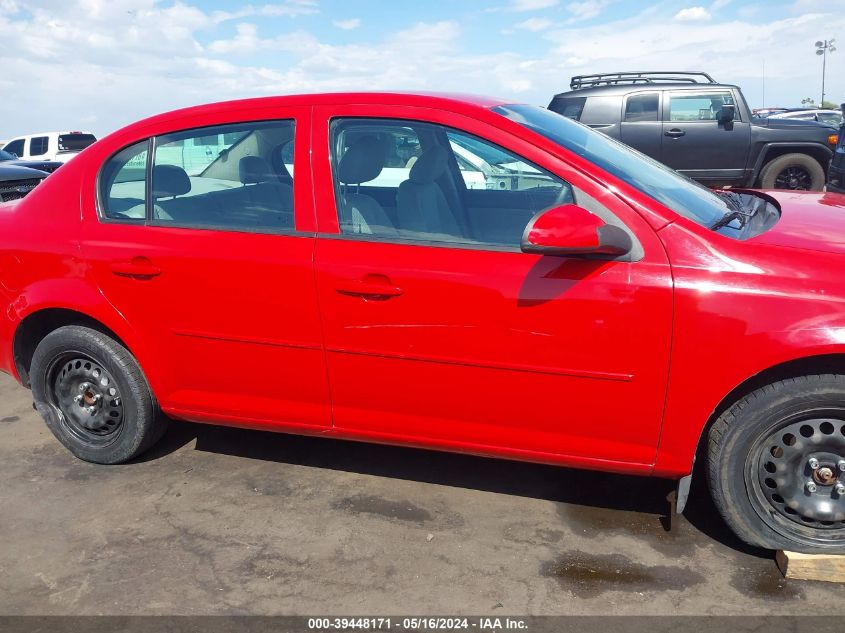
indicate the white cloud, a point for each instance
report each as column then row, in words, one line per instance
column 131, row 58
column 288, row 8
column 719, row 4
column 531, row 5
column 348, row 25
column 587, row 9
column 534, row 24
column 748, row 11
column 9, row 7
column 692, row 14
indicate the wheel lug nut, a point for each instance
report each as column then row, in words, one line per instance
column 840, row 489
column 814, row 463
column 811, row 486
column 841, row 465
column 77, row 398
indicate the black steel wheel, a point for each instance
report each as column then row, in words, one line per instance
column 776, row 465
column 93, row 395
column 800, row 474
column 86, row 397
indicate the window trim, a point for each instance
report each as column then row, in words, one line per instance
column 405, row 241
column 149, row 220
column 100, row 203
column 667, row 108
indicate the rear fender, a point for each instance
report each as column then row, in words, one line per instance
column 75, row 295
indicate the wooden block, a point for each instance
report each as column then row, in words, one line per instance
column 826, row 567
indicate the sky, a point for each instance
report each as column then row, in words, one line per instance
column 97, row 65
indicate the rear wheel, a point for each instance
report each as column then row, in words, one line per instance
column 91, row 392
column 793, row 171
column 777, row 465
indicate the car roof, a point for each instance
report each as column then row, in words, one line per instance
column 623, row 89
column 450, row 101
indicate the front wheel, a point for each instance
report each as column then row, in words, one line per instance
column 776, row 465
column 793, row 171
column 93, row 395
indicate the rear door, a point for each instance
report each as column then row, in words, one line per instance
column 641, row 127
column 209, row 256
column 695, row 143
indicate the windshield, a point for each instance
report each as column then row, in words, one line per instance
column 679, row 193
column 4, row 155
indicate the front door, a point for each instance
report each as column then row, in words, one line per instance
column 200, row 246
column 440, row 331
column 696, row 143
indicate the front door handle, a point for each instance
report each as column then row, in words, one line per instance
column 136, row 268
column 376, row 287
column 674, row 133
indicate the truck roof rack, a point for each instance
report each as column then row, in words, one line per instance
column 646, row 77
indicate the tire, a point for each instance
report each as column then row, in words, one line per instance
column 759, row 465
column 793, row 171
column 93, row 396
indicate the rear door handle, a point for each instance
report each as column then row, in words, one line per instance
column 674, row 133
column 377, row 287
column 136, row 268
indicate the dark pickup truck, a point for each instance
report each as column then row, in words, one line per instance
column 701, row 128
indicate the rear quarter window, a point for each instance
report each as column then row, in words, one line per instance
column 602, row 110
column 568, row 106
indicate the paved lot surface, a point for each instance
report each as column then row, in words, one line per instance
column 222, row 521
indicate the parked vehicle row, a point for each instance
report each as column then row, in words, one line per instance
column 832, row 118
column 567, row 317
column 701, row 128
column 16, row 181
column 49, row 146
column 49, row 166
column 26, row 160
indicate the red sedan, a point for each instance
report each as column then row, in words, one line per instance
column 455, row 273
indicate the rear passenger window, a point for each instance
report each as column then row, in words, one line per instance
column 38, row 146
column 222, row 177
column 123, row 184
column 642, row 107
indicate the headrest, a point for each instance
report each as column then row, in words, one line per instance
column 362, row 162
column 429, row 166
column 170, row 180
column 254, row 170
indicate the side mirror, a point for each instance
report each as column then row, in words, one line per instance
column 727, row 114
column 573, row 231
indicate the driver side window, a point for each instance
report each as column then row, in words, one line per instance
column 411, row 181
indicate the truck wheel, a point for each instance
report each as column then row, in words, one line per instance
column 793, row 171
column 93, row 395
column 776, row 465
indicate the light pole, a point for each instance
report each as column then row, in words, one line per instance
column 823, row 48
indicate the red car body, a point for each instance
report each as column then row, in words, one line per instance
column 607, row 365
